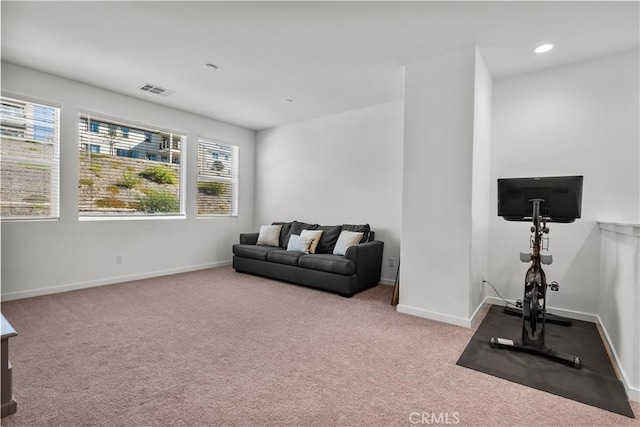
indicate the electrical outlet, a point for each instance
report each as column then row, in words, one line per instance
column 392, row 262
column 119, row 259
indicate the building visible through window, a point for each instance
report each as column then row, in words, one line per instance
column 30, row 163
column 218, row 170
column 128, row 170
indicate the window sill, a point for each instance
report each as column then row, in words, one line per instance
column 131, row 218
column 17, row 219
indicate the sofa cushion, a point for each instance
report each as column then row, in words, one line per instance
column 281, row 256
column 330, row 234
column 359, row 228
column 269, row 235
column 253, row 251
column 330, row 263
column 296, row 228
column 284, row 232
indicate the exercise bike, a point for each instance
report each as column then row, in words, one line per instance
column 533, row 308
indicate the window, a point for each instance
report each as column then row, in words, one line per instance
column 30, row 164
column 119, row 174
column 217, row 178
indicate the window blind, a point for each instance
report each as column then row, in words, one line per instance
column 29, row 160
column 128, row 170
column 218, row 170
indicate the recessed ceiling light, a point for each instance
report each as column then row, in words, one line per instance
column 210, row 66
column 543, row 48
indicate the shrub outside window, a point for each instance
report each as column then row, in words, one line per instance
column 128, row 171
column 218, row 165
column 30, row 160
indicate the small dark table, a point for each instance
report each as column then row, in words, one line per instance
column 9, row 404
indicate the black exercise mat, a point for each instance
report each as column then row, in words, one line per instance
column 595, row 384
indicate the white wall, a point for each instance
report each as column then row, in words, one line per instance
column 619, row 312
column 578, row 119
column 437, row 186
column 50, row 256
column 345, row 168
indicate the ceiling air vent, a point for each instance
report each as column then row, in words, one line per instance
column 148, row 87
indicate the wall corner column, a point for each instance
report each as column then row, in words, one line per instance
column 445, row 200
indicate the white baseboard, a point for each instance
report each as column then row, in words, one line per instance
column 108, row 281
column 579, row 315
column 432, row 315
column 476, row 313
column 388, row 282
column 446, row 318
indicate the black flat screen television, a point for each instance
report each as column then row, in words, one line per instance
column 562, row 198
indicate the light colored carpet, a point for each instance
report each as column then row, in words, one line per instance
column 216, row 347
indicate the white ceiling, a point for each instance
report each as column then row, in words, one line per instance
column 328, row 57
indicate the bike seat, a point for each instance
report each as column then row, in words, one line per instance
column 546, row 259
column 525, row 257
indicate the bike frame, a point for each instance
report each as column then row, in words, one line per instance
column 535, row 286
column 534, row 302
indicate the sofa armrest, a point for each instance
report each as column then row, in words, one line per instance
column 368, row 259
column 249, row 238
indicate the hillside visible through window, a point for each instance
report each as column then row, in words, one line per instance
column 128, row 171
column 217, row 178
column 30, row 160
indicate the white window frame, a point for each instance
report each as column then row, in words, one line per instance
column 147, row 129
column 53, row 163
column 233, row 179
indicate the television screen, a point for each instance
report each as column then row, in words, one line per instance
column 561, row 195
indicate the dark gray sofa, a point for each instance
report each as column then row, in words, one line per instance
column 358, row 269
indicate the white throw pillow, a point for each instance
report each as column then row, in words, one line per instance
column 269, row 235
column 346, row 240
column 312, row 234
column 299, row 243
